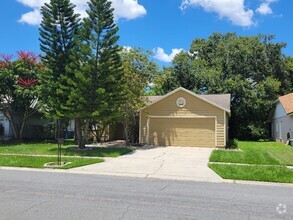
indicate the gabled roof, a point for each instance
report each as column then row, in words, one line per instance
column 287, row 102
column 221, row 101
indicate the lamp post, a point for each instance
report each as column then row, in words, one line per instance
column 60, row 141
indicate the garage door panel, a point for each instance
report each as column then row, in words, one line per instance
column 182, row 132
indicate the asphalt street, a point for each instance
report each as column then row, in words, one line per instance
column 43, row 195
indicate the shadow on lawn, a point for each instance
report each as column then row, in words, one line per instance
column 21, row 142
column 94, row 151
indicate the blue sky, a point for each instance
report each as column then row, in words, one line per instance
column 163, row 26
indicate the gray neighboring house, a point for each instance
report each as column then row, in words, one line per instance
column 282, row 122
column 7, row 129
column 34, row 128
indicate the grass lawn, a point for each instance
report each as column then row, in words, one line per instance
column 268, row 153
column 38, row 162
column 256, row 154
column 255, row 173
column 68, row 149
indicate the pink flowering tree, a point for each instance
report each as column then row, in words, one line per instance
column 19, row 85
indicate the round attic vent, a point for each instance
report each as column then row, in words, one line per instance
column 181, row 102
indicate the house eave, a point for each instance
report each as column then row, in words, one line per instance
column 192, row 94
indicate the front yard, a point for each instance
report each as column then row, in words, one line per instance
column 39, row 161
column 259, row 161
column 68, row 149
column 36, row 154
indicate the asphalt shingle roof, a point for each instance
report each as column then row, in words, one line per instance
column 287, row 102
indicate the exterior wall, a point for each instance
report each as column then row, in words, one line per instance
column 194, row 107
column 33, row 128
column 226, row 127
column 281, row 124
column 5, row 123
column 279, row 111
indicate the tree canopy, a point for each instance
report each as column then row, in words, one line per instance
column 19, row 88
column 138, row 72
column 253, row 69
column 57, row 31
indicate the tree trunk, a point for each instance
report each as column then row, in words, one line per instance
column 21, row 129
column 85, row 133
column 11, row 124
column 76, row 136
column 100, row 133
column 79, row 136
column 14, row 129
column 126, row 131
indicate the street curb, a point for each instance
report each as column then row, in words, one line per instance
column 70, row 171
column 260, row 183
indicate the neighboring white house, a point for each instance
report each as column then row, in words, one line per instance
column 34, row 127
column 282, row 123
column 7, row 130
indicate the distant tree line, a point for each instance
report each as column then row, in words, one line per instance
column 252, row 69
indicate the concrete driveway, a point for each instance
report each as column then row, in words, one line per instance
column 178, row 163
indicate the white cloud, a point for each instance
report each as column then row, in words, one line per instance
column 123, row 9
column 265, row 8
column 32, row 3
column 234, row 10
column 33, row 17
column 127, row 48
column 128, row 9
column 162, row 56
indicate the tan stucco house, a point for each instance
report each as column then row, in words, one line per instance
column 282, row 122
column 183, row 118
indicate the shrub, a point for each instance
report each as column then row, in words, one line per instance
column 232, row 144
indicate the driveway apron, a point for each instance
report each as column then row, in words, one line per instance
column 177, row 163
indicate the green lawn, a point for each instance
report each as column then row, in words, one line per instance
column 269, row 153
column 255, row 173
column 68, row 149
column 38, row 162
column 276, row 155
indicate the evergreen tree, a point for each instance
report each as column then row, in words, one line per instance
column 98, row 86
column 252, row 69
column 58, row 27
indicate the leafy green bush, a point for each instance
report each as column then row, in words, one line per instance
column 257, row 132
column 232, row 144
column 253, row 132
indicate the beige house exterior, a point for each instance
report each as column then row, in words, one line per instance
column 282, row 122
column 183, row 118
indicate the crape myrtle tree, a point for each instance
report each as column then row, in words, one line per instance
column 58, row 27
column 253, row 69
column 98, row 87
column 19, row 87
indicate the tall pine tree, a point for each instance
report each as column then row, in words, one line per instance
column 98, row 86
column 58, row 27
